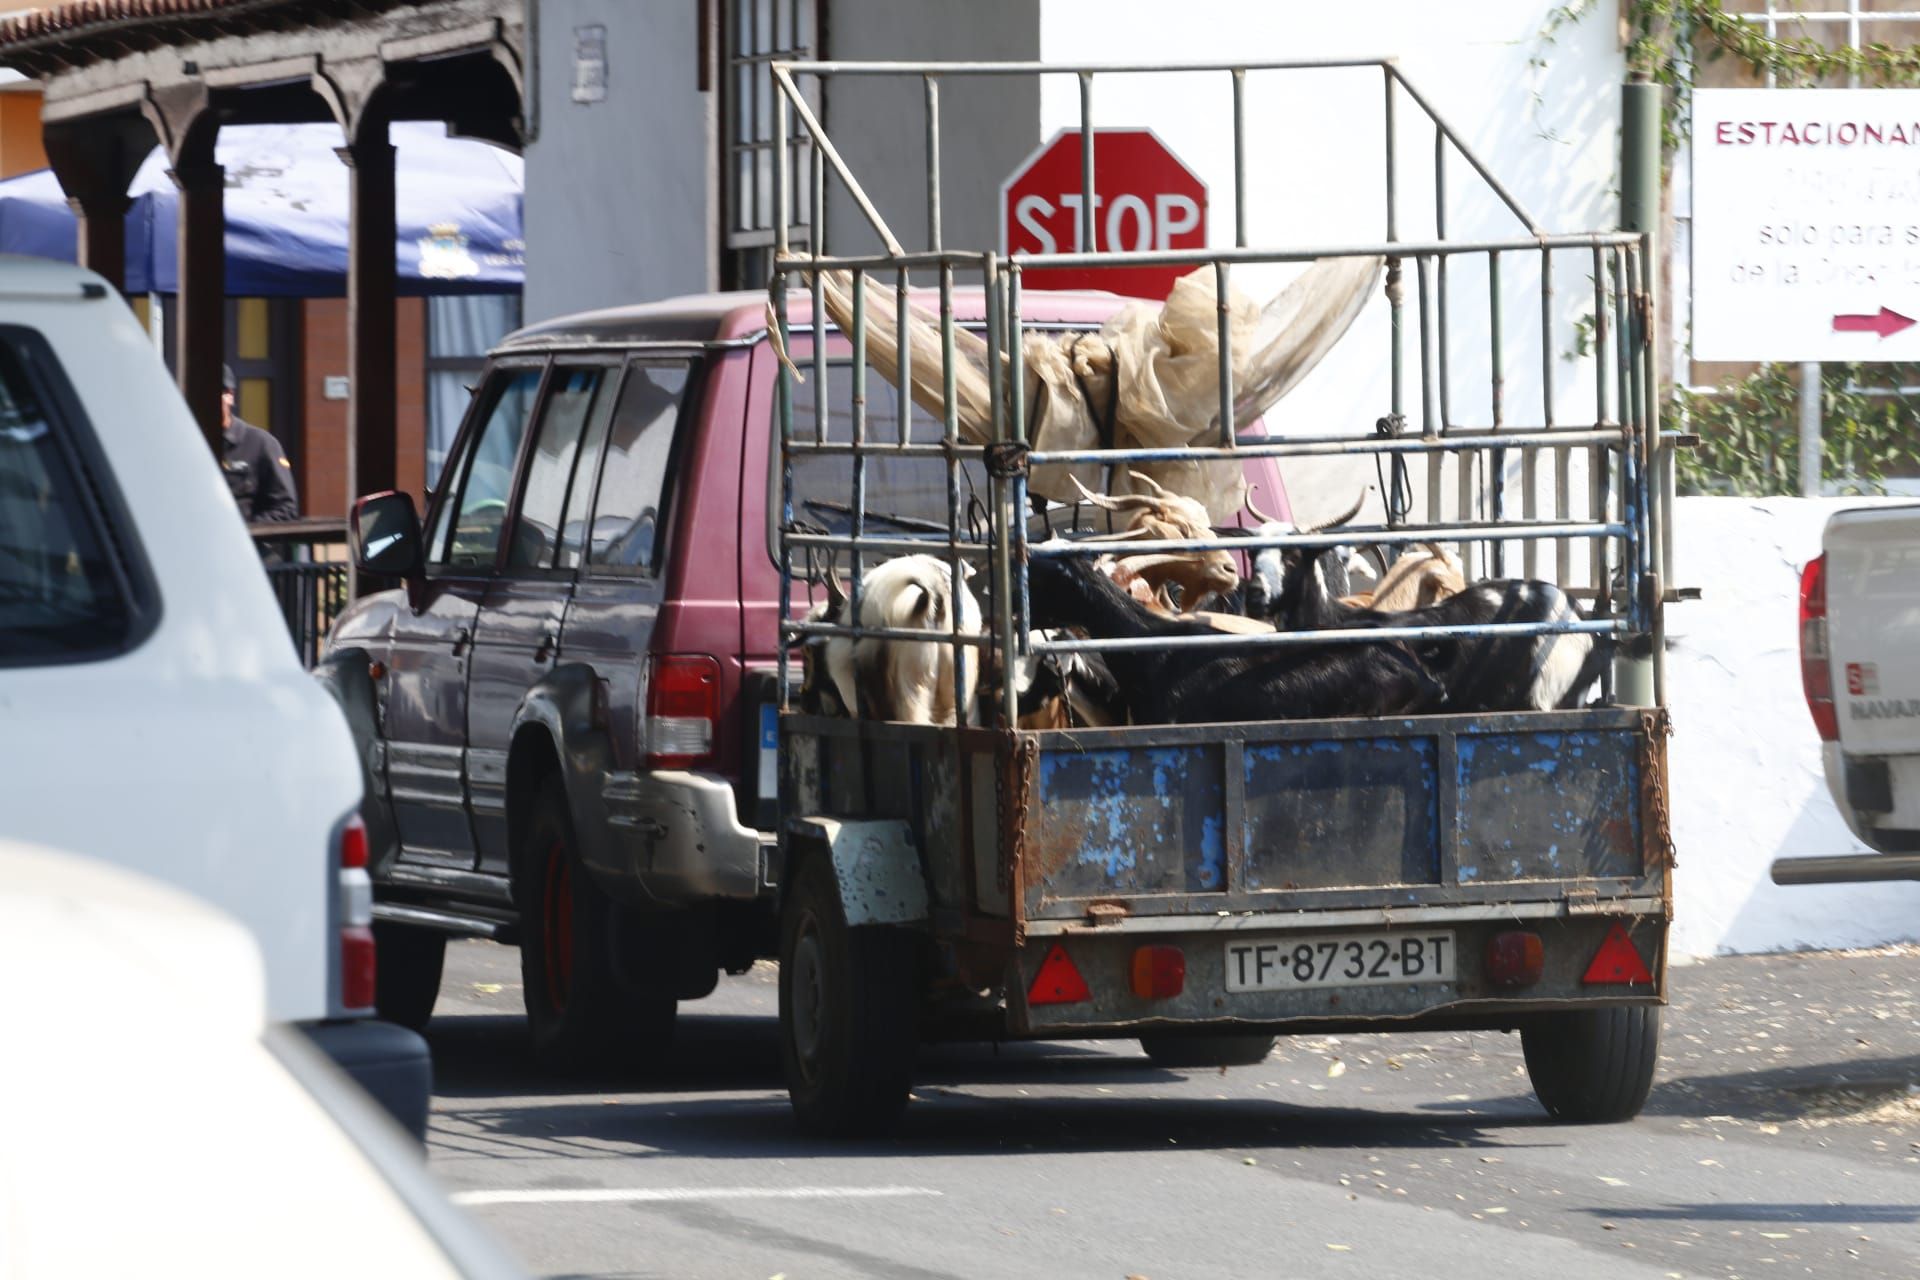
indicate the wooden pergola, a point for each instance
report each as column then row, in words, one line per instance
column 121, row 76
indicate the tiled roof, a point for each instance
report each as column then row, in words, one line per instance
column 88, row 30
column 81, row 16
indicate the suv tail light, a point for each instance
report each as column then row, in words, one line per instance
column 1816, row 677
column 355, row 904
column 682, row 709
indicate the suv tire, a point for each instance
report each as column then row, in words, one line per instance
column 849, row 1011
column 1593, row 1066
column 577, row 1011
column 1207, row 1051
column 407, row 966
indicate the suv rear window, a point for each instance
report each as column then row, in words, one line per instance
column 64, row 594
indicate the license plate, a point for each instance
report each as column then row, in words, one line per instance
column 1341, row 960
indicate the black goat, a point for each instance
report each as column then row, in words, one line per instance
column 1479, row 673
column 1184, row 684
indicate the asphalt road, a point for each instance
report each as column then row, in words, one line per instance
column 1783, row 1138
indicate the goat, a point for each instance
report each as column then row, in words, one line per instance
column 1422, row 576
column 1183, row 684
column 1478, row 673
column 905, row 680
column 1066, row 690
column 1162, row 514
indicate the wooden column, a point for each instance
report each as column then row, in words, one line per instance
column 372, row 447
column 203, row 285
column 93, row 161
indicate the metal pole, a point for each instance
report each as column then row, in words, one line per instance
column 1087, row 242
column 1239, row 158
column 1497, row 463
column 1809, row 430
column 1225, row 353
column 933, row 163
column 1640, row 106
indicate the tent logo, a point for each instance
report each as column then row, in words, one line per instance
column 443, row 254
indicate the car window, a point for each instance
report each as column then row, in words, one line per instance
column 633, row 479
column 479, row 503
column 573, row 530
column 572, row 397
column 62, row 592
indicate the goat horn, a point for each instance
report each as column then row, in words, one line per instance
column 1256, row 512
column 836, row 593
column 1149, row 481
column 1340, row 519
column 1126, row 502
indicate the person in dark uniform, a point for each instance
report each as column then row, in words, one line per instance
column 256, row 466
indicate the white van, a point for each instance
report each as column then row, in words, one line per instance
column 152, row 710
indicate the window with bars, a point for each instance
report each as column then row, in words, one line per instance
column 754, row 34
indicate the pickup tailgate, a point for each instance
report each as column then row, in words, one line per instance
column 1873, row 628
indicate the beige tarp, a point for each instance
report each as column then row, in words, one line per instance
column 1164, row 355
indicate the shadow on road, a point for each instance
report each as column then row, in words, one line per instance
column 1832, row 1089
column 1783, row 1212
column 722, row 1096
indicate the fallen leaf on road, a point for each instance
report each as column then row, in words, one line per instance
column 1338, row 1068
column 1613, row 1182
column 1776, row 1235
column 1249, row 1160
column 1493, row 1211
column 1711, row 1163
column 490, row 988
column 1341, row 1248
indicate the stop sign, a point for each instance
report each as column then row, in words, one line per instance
column 1144, row 198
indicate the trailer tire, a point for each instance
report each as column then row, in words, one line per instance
column 1207, row 1051
column 406, row 974
column 849, row 1011
column 1593, row 1066
column 578, row 1013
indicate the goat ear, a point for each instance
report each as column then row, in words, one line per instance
column 967, row 570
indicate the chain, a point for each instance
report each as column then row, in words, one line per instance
column 1012, row 811
column 1660, row 727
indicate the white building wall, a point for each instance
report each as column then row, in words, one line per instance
column 619, row 192
column 1744, row 759
column 1316, row 175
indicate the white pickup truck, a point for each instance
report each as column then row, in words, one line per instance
column 1860, row 664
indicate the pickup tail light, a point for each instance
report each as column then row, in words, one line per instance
column 1816, row 675
column 682, row 710
column 355, row 910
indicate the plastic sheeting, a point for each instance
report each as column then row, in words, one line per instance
column 457, row 204
column 1150, row 379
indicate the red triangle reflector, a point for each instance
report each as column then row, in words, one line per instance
column 1058, row 982
column 1618, row 961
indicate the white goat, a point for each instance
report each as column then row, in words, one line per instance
column 904, row 680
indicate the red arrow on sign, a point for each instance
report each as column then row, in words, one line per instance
column 1887, row 322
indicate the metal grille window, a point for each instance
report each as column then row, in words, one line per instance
column 758, row 32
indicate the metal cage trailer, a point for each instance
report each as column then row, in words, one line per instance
column 1206, row 887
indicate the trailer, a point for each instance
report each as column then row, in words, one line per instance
column 1205, row 888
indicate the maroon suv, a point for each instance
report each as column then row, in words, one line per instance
column 565, row 712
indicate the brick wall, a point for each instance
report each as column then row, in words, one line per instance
column 322, row 468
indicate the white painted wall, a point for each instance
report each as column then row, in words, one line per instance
column 618, row 202
column 1744, row 759
column 1316, row 173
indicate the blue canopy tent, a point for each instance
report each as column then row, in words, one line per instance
column 458, row 212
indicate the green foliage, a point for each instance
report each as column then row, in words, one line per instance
column 1667, row 38
column 1749, row 431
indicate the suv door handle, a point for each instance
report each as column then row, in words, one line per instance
column 549, row 641
column 461, row 639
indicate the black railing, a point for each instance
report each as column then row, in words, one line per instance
column 306, row 563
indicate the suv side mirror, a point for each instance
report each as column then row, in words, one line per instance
column 385, row 535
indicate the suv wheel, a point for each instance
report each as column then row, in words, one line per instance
column 407, row 964
column 849, row 1011
column 1593, row 1066
column 577, row 1010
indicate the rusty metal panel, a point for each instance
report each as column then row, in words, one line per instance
column 1548, row 805
column 1321, row 814
column 1126, row 821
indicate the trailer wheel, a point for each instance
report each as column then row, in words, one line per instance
column 406, row 974
column 849, row 1011
column 577, row 1011
column 1593, row 1066
column 1207, row 1051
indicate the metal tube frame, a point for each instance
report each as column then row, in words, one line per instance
column 1623, row 442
